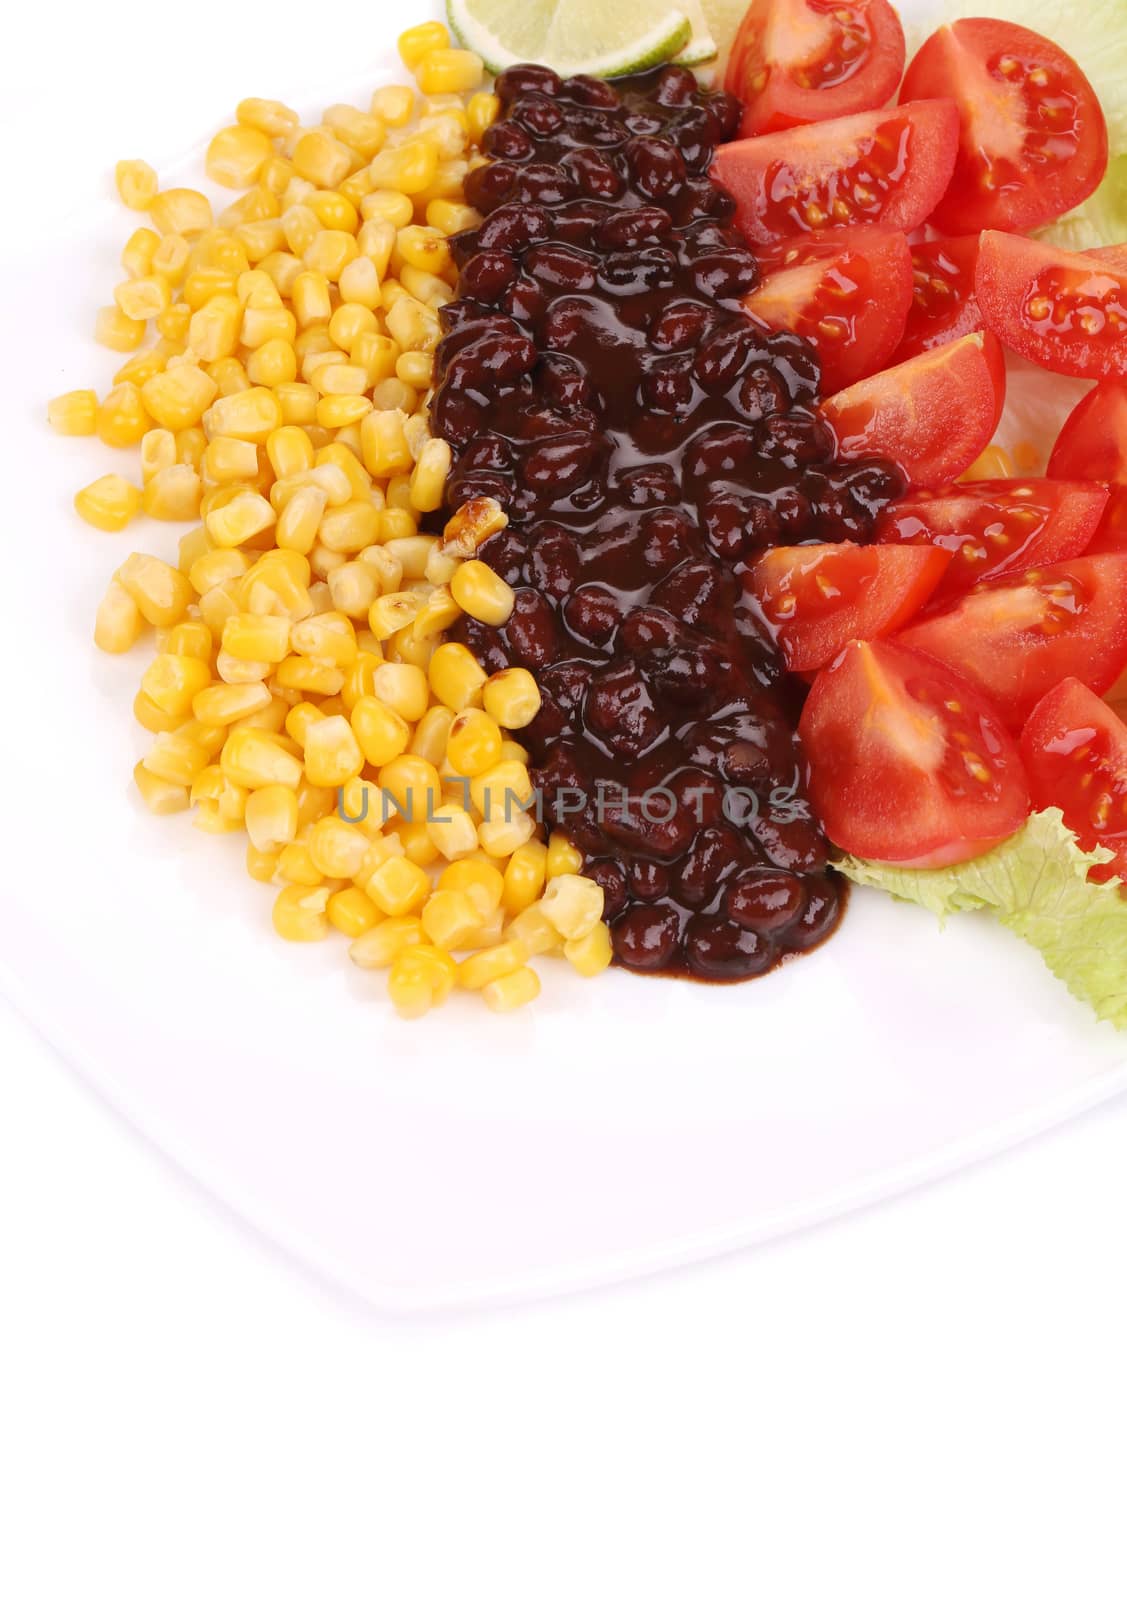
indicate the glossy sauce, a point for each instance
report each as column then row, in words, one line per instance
column 600, row 380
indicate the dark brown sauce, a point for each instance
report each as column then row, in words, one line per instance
column 600, row 380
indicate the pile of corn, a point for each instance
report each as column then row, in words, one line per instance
column 281, row 357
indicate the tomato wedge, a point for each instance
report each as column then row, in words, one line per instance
column 943, row 304
column 1075, row 750
column 1016, row 637
column 1093, row 444
column 805, row 60
column 880, row 167
column 1066, row 312
column 933, row 415
column 908, row 763
column 995, row 526
column 1033, row 141
column 849, row 296
column 817, row 597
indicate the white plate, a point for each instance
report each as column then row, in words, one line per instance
column 617, row 1128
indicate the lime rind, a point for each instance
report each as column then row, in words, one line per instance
column 550, row 34
column 702, row 46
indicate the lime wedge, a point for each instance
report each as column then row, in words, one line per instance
column 702, row 46
column 723, row 18
column 592, row 36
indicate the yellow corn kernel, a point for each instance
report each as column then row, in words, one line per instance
column 337, row 848
column 189, row 638
column 525, row 877
column 404, row 647
column 342, row 410
column 183, row 211
column 136, row 184
column 300, row 913
column 296, row 865
column 230, row 374
column 384, row 443
column 74, row 413
column 216, row 605
column 500, row 836
column 233, row 669
column 158, row 450
column 474, row 743
column 257, row 638
column 172, row 682
column 332, row 754
column 172, row 325
column 411, row 785
column 361, row 131
column 452, row 831
column 411, row 324
column 176, row 757
column 380, row 731
column 448, row 917
column 511, row 697
column 108, row 503
column 151, row 717
column 268, row 116
column 481, row 113
column 138, row 251
column 216, row 567
column 410, row 168
column 533, row 930
column 482, row 594
column 351, row 912
column 118, row 622
column 224, row 703
column 117, row 331
column 416, row 369
column 333, row 210
column 254, row 759
column 398, row 887
column 170, row 262
column 122, row 419
column 573, row 905
column 591, row 954
column 418, row 42
column 492, row 965
column 430, row 735
column 228, row 460
column 353, row 588
column 236, row 156
column 563, row 858
column 428, row 480
column 321, row 159
column 391, row 612
column 394, row 104
column 213, row 332
column 272, row 363
column 288, row 450
column 160, row 796
column 455, row 677
column 297, row 403
column 410, row 988
column 514, row 990
column 141, row 299
column 994, row 462
column 178, row 397
column 479, row 878
column 312, row 300
column 359, row 285
column 265, row 241
column 328, row 637
column 380, row 945
column 262, row 865
column 403, row 687
column 502, row 790
column 245, row 515
column 329, row 252
column 253, row 414
column 449, row 72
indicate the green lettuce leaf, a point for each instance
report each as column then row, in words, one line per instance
column 1037, row 885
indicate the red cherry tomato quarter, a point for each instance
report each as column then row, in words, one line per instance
column 1066, row 312
column 907, row 762
column 943, row 304
column 1093, row 444
column 1032, row 142
column 849, row 296
column 878, row 167
column 932, row 415
column 817, row 597
column 1015, row 638
column 798, row 61
column 1075, row 750
column 991, row 527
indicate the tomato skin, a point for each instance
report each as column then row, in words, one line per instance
column 817, row 597
column 1093, row 444
column 1016, row 168
column 1075, row 752
column 997, row 525
column 849, row 296
column 943, row 304
column 1065, row 312
column 907, row 762
column 933, row 415
column 832, row 174
column 1016, row 637
column 782, row 41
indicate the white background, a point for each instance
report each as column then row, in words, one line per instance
column 926, row 1401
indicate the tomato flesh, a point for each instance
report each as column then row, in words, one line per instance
column 1066, row 312
column 1093, row 444
column 1075, row 751
column 879, row 167
column 1033, row 141
column 1016, row 637
column 996, row 526
column 796, row 61
column 908, row 763
column 932, row 415
column 817, row 597
column 943, row 304
column 848, row 297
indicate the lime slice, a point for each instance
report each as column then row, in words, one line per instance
column 592, row 36
column 1094, row 35
column 702, row 46
column 723, row 18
